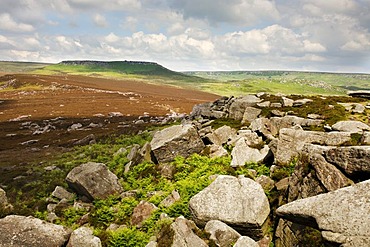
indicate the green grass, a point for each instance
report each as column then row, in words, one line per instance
column 20, row 67
column 287, row 82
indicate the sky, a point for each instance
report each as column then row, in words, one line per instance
column 184, row 35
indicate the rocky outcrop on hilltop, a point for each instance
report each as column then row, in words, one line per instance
column 298, row 176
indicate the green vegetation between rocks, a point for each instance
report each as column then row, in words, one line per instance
column 190, row 176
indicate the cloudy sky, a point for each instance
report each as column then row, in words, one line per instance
column 319, row 35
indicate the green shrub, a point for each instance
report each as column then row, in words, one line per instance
column 128, row 237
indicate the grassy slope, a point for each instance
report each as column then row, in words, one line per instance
column 20, row 67
column 149, row 72
column 222, row 83
column 241, row 82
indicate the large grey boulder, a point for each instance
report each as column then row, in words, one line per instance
column 222, row 234
column 245, row 241
column 242, row 153
column 221, row 135
column 93, row 180
column 237, row 201
column 292, row 140
column 351, row 126
column 178, row 140
column 343, row 215
column 83, row 237
column 250, row 114
column 329, row 175
column 61, row 193
column 265, row 127
column 354, row 160
column 237, row 108
column 21, row 231
column 290, row 121
column 180, row 234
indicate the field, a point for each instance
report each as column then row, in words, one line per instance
column 287, row 82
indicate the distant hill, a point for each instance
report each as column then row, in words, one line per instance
column 20, row 67
column 113, row 69
column 289, row 82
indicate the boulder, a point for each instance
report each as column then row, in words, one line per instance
column 330, row 176
column 301, row 102
column 221, row 135
column 237, row 108
column 221, row 234
column 217, row 151
column 287, row 102
column 237, row 201
column 292, row 140
column 178, row 140
column 20, row 231
column 4, row 204
column 365, row 140
column 93, row 180
column 250, row 114
column 353, row 160
column 264, row 126
column 170, row 199
column 290, row 121
column 351, row 126
column 250, row 137
column 266, row 182
column 242, row 153
column 83, row 237
column 245, row 241
column 343, row 215
column 61, row 193
column 180, row 234
column 205, row 110
column 142, row 212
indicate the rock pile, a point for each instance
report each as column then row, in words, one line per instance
column 327, row 186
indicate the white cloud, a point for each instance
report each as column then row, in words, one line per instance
column 243, row 12
column 100, row 20
column 9, row 24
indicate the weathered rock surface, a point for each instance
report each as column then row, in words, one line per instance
column 354, row 160
column 221, row 135
column 292, row 140
column 237, row 201
column 237, row 108
column 245, row 241
column 61, row 193
column 343, row 215
column 142, row 212
column 170, row 199
column 217, row 151
column 351, row 126
column 330, row 176
column 83, row 237
column 180, row 234
column 222, row 234
column 177, row 140
column 21, row 231
column 264, row 126
column 4, row 204
column 242, row 153
column 250, row 114
column 93, row 180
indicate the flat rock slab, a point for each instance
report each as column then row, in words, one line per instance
column 21, row 231
column 237, row 201
column 343, row 215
